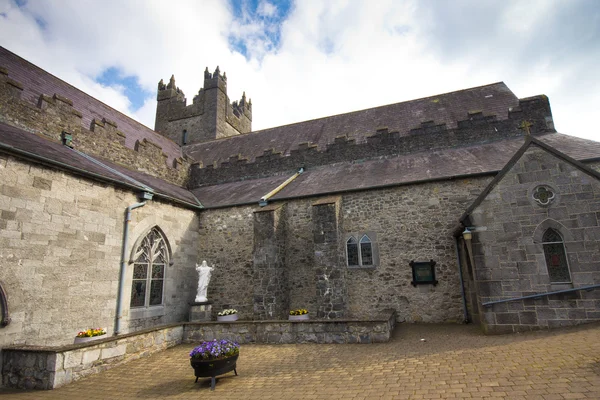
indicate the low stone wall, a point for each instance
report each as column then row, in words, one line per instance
column 35, row 367
column 376, row 330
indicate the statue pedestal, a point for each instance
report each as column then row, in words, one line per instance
column 200, row 312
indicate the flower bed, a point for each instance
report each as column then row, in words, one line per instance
column 90, row 335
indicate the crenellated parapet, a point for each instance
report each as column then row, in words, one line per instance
column 474, row 128
column 50, row 116
column 210, row 116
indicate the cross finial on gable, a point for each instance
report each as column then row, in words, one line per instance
column 525, row 125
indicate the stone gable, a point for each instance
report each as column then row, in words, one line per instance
column 507, row 246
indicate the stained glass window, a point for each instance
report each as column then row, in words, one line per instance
column 556, row 257
column 150, row 260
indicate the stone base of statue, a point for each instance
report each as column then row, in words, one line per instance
column 200, row 311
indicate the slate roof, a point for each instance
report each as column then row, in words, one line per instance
column 408, row 169
column 36, row 81
column 494, row 99
column 29, row 145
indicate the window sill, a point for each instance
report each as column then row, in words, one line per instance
column 560, row 286
column 149, row 312
column 361, row 266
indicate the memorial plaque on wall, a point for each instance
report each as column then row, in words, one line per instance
column 423, row 272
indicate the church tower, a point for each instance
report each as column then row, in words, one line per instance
column 210, row 116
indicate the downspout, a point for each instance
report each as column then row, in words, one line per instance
column 466, row 317
column 123, row 274
column 264, row 200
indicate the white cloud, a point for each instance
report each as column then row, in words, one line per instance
column 333, row 57
column 266, row 9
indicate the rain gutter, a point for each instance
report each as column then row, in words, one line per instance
column 88, row 174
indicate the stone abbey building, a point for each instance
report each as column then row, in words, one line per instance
column 464, row 206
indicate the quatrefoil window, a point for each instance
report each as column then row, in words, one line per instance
column 543, row 195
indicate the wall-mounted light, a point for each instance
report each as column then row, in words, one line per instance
column 467, row 234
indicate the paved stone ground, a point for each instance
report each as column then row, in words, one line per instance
column 454, row 362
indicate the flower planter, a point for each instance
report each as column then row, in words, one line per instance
column 302, row 317
column 227, row 318
column 86, row 339
column 213, row 368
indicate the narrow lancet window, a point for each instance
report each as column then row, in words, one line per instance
column 366, row 251
column 352, row 251
column 556, row 257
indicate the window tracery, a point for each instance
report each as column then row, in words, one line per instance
column 150, row 260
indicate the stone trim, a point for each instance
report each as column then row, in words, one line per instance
column 143, row 234
column 550, row 223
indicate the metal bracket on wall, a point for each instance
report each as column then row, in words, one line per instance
column 4, row 306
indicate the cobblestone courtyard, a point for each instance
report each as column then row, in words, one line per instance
column 454, row 362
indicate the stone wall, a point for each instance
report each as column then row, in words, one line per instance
column 377, row 329
column 330, row 269
column 60, row 252
column 270, row 277
column 508, row 251
column 226, row 240
column 38, row 367
column 52, row 367
column 54, row 114
column 409, row 223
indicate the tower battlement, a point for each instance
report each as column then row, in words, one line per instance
column 210, row 116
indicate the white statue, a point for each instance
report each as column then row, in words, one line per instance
column 204, row 272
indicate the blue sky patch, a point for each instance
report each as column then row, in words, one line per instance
column 135, row 93
column 268, row 15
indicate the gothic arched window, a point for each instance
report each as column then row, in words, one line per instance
column 150, row 260
column 359, row 253
column 352, row 251
column 556, row 257
column 5, row 319
column 366, row 251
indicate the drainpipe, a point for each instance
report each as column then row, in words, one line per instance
column 145, row 196
column 466, row 317
column 264, row 200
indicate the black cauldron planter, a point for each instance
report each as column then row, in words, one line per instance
column 214, row 358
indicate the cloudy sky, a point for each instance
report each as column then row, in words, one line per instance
column 305, row 59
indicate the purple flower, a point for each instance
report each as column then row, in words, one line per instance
column 211, row 350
